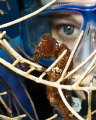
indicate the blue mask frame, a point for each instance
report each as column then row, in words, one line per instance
column 88, row 13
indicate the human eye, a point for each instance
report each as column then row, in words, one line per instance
column 66, row 27
column 67, row 30
column 65, row 33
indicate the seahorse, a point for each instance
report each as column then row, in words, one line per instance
column 47, row 48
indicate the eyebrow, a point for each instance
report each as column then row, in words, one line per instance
column 63, row 17
column 65, row 12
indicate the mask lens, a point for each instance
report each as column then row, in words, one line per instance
column 87, row 46
column 63, row 26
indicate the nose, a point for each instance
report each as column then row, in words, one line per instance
column 87, row 46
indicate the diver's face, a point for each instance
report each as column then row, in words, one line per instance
column 65, row 27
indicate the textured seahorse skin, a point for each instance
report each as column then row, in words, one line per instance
column 47, row 48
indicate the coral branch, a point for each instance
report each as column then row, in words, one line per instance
column 4, row 93
column 53, row 117
column 89, row 105
column 15, row 118
column 19, row 57
column 68, row 106
column 57, row 85
column 56, row 61
column 70, row 58
column 5, row 106
column 85, row 73
column 81, row 65
column 27, row 16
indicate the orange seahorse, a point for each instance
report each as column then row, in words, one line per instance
column 47, row 48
